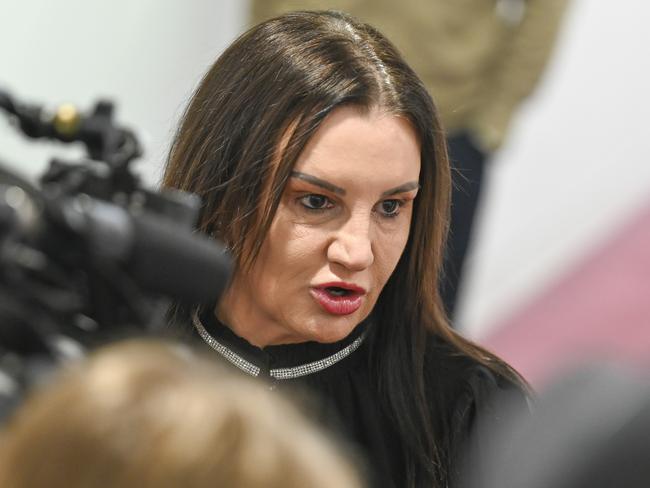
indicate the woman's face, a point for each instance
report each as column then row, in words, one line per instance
column 339, row 231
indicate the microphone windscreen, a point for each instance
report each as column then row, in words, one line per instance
column 170, row 260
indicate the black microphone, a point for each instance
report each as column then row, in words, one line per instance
column 157, row 253
column 192, row 267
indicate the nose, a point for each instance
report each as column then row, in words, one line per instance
column 351, row 247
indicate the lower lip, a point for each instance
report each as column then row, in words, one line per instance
column 343, row 305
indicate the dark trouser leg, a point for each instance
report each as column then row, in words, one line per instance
column 467, row 174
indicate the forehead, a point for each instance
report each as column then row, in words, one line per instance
column 363, row 148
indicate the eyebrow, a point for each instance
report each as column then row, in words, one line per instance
column 411, row 185
column 318, row 182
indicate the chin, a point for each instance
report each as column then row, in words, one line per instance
column 334, row 330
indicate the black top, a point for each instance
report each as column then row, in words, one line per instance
column 348, row 402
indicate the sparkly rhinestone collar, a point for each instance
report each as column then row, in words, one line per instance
column 275, row 373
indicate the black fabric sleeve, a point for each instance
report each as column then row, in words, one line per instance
column 484, row 409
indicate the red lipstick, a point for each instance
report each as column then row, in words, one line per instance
column 338, row 297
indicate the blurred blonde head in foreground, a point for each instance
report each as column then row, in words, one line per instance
column 142, row 414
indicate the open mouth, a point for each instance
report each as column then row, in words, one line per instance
column 339, row 292
column 339, row 300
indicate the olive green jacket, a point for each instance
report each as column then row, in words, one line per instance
column 478, row 58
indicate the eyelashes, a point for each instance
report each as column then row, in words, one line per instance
column 315, row 202
column 391, row 208
column 318, row 204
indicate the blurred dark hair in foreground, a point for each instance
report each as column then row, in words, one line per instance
column 589, row 429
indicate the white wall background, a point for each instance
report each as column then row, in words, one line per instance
column 577, row 162
column 576, row 166
column 146, row 55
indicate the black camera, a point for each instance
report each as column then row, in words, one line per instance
column 88, row 254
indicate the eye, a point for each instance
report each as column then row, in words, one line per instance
column 314, row 201
column 390, row 208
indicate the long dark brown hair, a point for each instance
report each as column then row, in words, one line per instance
column 242, row 132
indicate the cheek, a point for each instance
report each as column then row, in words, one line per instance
column 292, row 250
column 389, row 251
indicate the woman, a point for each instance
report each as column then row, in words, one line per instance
column 322, row 166
column 142, row 414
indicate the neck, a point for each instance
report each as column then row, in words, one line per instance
column 258, row 331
